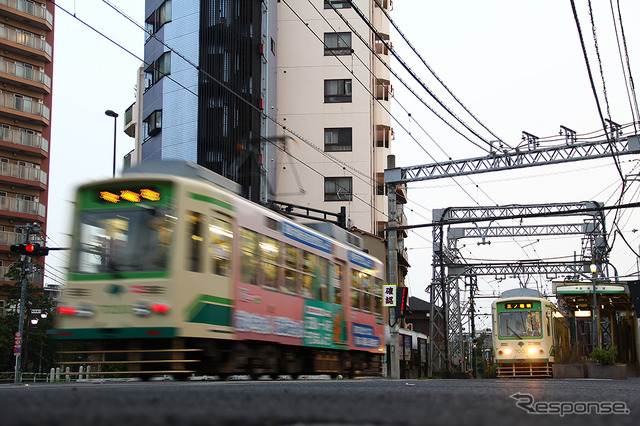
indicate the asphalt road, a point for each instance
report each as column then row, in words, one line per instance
column 325, row 402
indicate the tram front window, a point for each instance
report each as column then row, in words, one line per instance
column 123, row 241
column 519, row 324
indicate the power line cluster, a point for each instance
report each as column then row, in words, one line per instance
column 470, row 134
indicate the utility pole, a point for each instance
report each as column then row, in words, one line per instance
column 473, row 285
column 26, row 268
column 392, row 272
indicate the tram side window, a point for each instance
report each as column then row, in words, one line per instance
column 269, row 253
column 290, row 268
column 355, row 289
column 337, row 284
column 249, row 256
column 308, row 270
column 196, row 238
column 220, row 239
column 323, row 279
column 377, row 294
column 367, row 291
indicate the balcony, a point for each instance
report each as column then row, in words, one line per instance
column 20, row 75
column 33, row 13
column 21, row 108
column 10, row 238
column 37, row 177
column 15, row 205
column 131, row 120
column 32, row 143
column 25, row 43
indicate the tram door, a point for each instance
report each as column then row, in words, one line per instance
column 208, row 267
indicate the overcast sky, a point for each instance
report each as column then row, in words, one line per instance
column 516, row 65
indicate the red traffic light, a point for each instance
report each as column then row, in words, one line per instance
column 30, row 249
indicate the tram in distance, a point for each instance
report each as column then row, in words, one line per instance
column 528, row 333
column 177, row 275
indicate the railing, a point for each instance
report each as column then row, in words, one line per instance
column 8, row 376
column 19, row 70
column 17, row 205
column 31, row 8
column 23, row 172
column 25, row 139
column 25, row 105
column 8, row 238
column 128, row 115
column 26, row 39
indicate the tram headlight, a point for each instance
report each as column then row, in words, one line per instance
column 141, row 308
column 533, row 351
column 508, row 351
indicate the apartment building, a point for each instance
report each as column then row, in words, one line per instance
column 26, row 70
column 281, row 97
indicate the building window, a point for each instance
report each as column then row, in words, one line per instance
column 158, row 69
column 158, row 18
column 338, row 4
column 336, row 91
column 381, row 188
column 154, row 122
column 337, row 139
column 338, row 189
column 337, row 44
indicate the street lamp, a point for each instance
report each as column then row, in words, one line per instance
column 113, row 114
column 596, row 325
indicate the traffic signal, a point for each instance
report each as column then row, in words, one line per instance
column 402, row 294
column 30, row 249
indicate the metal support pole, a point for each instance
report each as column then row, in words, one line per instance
column 596, row 322
column 472, row 359
column 392, row 272
column 113, row 114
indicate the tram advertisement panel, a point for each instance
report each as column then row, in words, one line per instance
column 324, row 325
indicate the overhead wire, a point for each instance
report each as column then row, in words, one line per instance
column 397, row 28
column 413, row 74
column 242, row 99
column 624, row 71
column 395, row 74
column 626, row 51
column 476, row 201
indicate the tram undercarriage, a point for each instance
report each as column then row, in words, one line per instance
column 185, row 357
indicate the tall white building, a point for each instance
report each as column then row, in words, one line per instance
column 334, row 93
